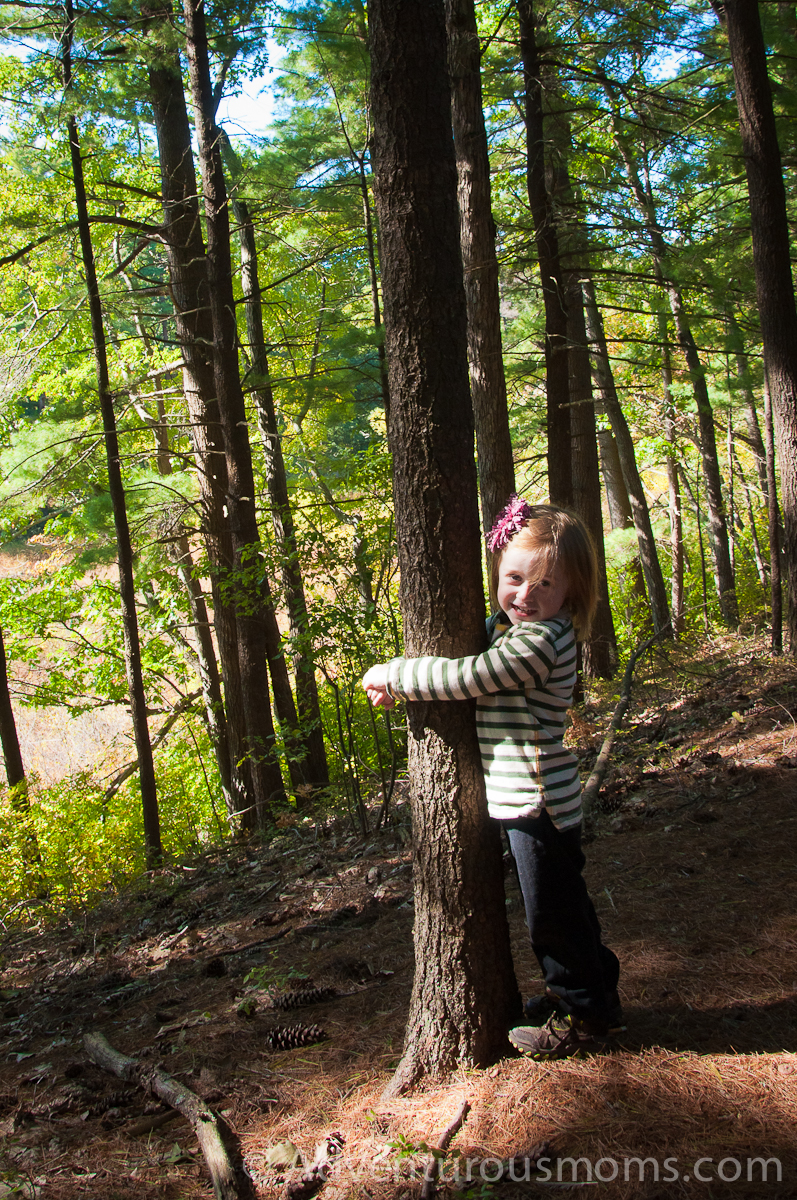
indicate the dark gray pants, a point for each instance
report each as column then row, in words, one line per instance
column 563, row 925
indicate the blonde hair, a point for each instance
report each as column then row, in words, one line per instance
column 563, row 540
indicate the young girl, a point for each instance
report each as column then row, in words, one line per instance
column 544, row 581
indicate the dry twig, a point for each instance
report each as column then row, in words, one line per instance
column 595, row 780
column 433, row 1163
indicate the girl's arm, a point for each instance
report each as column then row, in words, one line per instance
column 525, row 656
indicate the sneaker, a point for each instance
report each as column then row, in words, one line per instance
column 538, row 1009
column 559, row 1037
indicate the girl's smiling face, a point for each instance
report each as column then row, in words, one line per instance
column 529, row 588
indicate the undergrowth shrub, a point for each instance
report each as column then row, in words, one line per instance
column 88, row 844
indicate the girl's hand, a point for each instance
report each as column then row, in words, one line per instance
column 375, row 684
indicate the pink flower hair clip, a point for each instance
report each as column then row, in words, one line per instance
column 508, row 522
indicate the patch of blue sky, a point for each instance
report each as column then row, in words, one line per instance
column 248, row 112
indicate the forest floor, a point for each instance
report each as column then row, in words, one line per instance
column 693, row 868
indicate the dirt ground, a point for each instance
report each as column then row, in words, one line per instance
column 693, row 869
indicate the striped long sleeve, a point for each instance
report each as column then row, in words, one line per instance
column 523, row 685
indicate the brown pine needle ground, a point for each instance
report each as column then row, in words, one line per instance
column 694, row 874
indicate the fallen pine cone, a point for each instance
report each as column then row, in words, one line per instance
column 296, row 999
column 291, row 1037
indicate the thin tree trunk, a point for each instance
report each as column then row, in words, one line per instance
column 718, row 527
column 745, row 387
column 464, row 995
column 190, row 298
column 208, row 668
column 12, row 755
column 771, row 255
column 773, row 512
column 695, row 498
column 17, row 782
column 600, row 652
column 673, row 487
column 358, row 160
column 619, row 506
column 757, row 555
column 477, row 242
column 648, row 554
column 179, row 551
column 731, row 490
column 254, row 599
column 132, row 647
column 310, row 734
column 560, row 487
column 617, row 501
column 370, row 245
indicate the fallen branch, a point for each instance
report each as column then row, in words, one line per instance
column 592, row 786
column 151, row 1123
column 432, row 1169
column 230, row 1180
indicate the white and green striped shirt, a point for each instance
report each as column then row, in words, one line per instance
column 523, row 686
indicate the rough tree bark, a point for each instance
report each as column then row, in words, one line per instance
column 560, row 487
column 648, row 555
column 464, row 995
column 132, row 645
column 480, row 263
column 771, row 255
column 252, row 598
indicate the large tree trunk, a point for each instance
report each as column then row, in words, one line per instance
column 254, row 599
column 648, row 555
column 600, row 652
column 477, row 241
column 310, row 736
column 191, row 302
column 771, row 255
column 464, row 996
column 124, row 549
column 560, row 487
column 718, row 526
